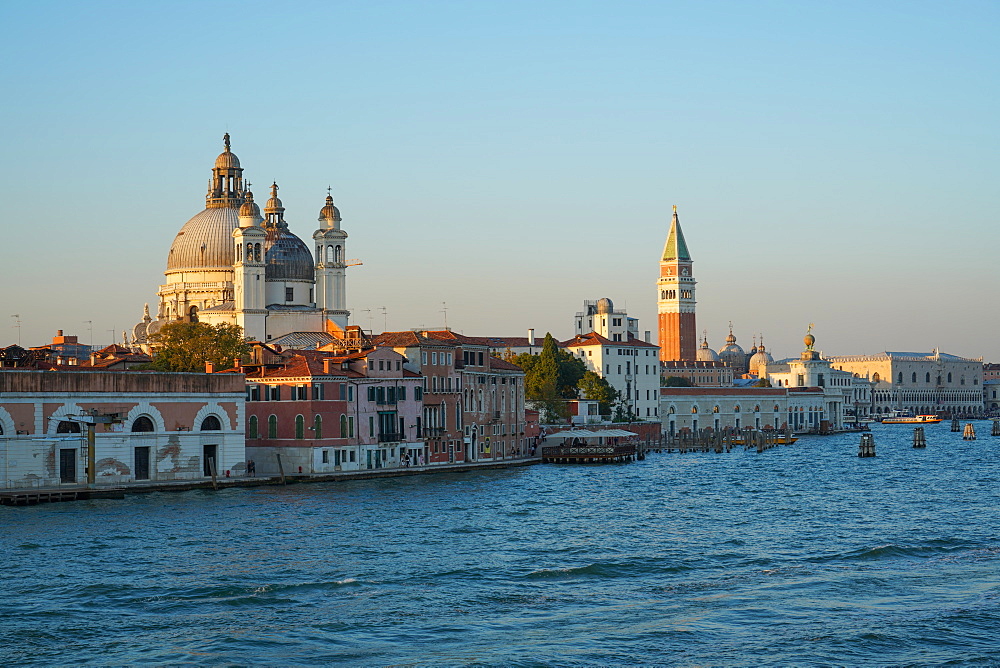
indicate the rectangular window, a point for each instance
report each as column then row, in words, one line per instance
column 371, row 393
column 353, row 456
column 350, row 427
column 380, row 395
column 275, row 392
column 350, row 393
column 480, row 359
column 423, row 357
column 418, row 393
column 326, row 456
column 401, row 392
column 289, row 294
column 371, row 426
column 342, row 393
column 391, row 395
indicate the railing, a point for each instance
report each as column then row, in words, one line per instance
column 432, row 431
column 387, row 438
column 588, row 451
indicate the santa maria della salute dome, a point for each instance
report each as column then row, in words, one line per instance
column 231, row 264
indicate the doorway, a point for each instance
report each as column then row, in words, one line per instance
column 142, row 463
column 209, row 453
column 67, row 465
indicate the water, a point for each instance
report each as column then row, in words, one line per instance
column 804, row 554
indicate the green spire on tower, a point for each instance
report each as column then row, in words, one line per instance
column 675, row 248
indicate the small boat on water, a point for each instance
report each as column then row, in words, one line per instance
column 912, row 419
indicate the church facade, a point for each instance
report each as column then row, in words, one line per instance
column 231, row 264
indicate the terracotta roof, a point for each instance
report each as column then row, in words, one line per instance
column 595, row 339
column 407, row 340
column 499, row 364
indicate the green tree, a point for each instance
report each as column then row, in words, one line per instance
column 186, row 346
column 763, row 382
column 595, row 388
column 551, row 377
column 676, row 381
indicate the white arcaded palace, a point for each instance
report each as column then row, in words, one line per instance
column 230, row 264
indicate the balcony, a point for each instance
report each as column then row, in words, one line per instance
column 389, row 437
column 432, row 432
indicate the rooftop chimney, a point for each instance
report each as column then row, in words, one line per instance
column 531, row 336
column 645, row 336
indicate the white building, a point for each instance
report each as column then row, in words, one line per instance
column 922, row 383
column 612, row 351
column 230, row 264
column 841, row 391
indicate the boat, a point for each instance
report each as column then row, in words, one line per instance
column 912, row 419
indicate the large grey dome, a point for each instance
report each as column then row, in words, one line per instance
column 205, row 241
column 287, row 257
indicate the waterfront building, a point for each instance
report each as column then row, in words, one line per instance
column 695, row 408
column 323, row 412
column 438, row 362
column 675, row 303
column 630, row 366
column 492, row 394
column 839, row 392
column 919, row 382
column 147, row 426
column 991, row 395
column 230, row 264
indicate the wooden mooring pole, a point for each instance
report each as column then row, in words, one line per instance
column 867, row 446
column 281, row 469
column 919, row 439
column 970, row 432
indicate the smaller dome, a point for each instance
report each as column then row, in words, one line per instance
column 329, row 212
column 227, row 159
column 249, row 208
column 274, row 203
column 760, row 359
column 287, row 258
column 706, row 354
column 604, row 306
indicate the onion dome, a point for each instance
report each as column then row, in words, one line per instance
column 330, row 214
column 249, row 210
column 274, row 204
column 287, row 257
column 760, row 359
column 732, row 354
column 205, row 241
column 706, row 354
column 227, row 159
column 605, row 306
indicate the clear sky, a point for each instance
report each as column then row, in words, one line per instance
column 834, row 163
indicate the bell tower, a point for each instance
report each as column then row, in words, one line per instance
column 675, row 304
column 331, row 267
column 248, row 274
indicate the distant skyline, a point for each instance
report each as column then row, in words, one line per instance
column 834, row 164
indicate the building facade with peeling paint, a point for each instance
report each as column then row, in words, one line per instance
column 158, row 427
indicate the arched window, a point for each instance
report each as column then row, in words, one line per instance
column 736, row 410
column 949, row 376
column 694, row 409
column 715, row 410
column 927, row 379
column 239, row 253
column 256, row 252
column 876, row 378
column 329, row 255
column 343, row 426
column 252, row 427
column 318, row 427
column 338, row 254
column 756, row 409
column 68, row 428
column 142, row 423
column 899, row 378
column 193, row 313
column 300, row 426
column 272, row 426
column 672, row 411
column 913, row 377
column 776, row 408
column 211, row 423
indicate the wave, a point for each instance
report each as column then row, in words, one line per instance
column 606, row 570
column 928, row 549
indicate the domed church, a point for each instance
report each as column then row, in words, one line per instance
column 231, row 264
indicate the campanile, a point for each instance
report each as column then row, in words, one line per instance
column 675, row 303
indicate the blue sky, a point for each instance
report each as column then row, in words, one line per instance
column 834, row 163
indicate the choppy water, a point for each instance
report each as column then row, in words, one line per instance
column 804, row 554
